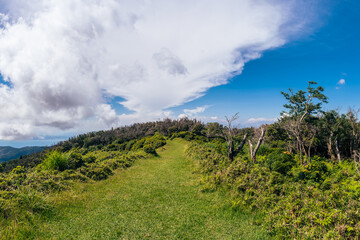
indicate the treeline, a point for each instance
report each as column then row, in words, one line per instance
column 301, row 172
column 26, row 191
column 117, row 139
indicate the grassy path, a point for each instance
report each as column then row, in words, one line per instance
column 157, row 198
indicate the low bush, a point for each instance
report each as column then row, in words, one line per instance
column 280, row 161
column 56, row 160
column 24, row 191
column 319, row 200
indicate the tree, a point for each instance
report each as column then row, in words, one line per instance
column 301, row 105
column 213, row 130
column 253, row 150
column 230, row 138
column 352, row 117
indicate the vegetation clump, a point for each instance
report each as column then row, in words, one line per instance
column 25, row 190
column 306, row 175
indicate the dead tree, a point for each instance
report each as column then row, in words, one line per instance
column 352, row 116
column 253, row 150
column 308, row 141
column 356, row 160
column 229, row 136
column 337, row 150
column 330, row 146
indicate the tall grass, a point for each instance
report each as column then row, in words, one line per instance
column 56, row 160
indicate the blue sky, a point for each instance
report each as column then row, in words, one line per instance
column 327, row 55
column 324, row 50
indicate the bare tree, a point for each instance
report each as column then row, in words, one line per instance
column 308, row 142
column 230, row 137
column 352, row 116
column 357, row 160
column 253, row 150
column 330, row 145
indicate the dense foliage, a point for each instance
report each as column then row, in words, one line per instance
column 318, row 200
column 118, row 139
column 302, row 171
column 25, row 190
column 306, row 174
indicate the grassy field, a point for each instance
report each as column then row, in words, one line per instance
column 157, row 198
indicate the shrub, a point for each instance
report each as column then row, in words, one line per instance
column 138, row 144
column 185, row 135
column 155, row 141
column 149, row 149
column 315, row 201
column 280, row 161
column 96, row 172
column 75, row 161
column 315, row 171
column 56, row 160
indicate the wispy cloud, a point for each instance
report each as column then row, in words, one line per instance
column 261, row 120
column 340, row 83
column 62, row 57
column 195, row 110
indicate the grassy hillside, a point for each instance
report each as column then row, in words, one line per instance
column 8, row 153
column 158, row 198
column 78, row 187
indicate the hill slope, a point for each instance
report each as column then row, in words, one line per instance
column 157, row 198
column 9, row 153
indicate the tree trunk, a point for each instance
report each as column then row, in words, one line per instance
column 254, row 151
column 330, row 147
column 251, row 150
column 231, row 150
column 356, row 160
column 241, row 144
column 299, row 148
column 337, row 150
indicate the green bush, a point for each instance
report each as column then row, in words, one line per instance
column 314, row 201
column 315, row 171
column 96, row 172
column 138, row 144
column 56, row 160
column 149, row 149
column 280, row 161
column 185, row 135
column 155, row 141
column 149, row 144
column 75, row 161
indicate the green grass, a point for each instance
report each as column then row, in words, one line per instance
column 157, row 198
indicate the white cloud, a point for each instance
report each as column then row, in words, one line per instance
column 261, row 120
column 192, row 112
column 61, row 57
column 182, row 115
column 341, row 82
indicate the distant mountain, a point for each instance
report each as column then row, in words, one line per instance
column 9, row 153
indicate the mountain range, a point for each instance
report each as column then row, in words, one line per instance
column 9, row 153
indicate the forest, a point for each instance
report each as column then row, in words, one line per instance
column 301, row 172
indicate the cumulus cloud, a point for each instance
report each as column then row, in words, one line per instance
column 341, row 82
column 193, row 113
column 61, row 60
column 196, row 113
